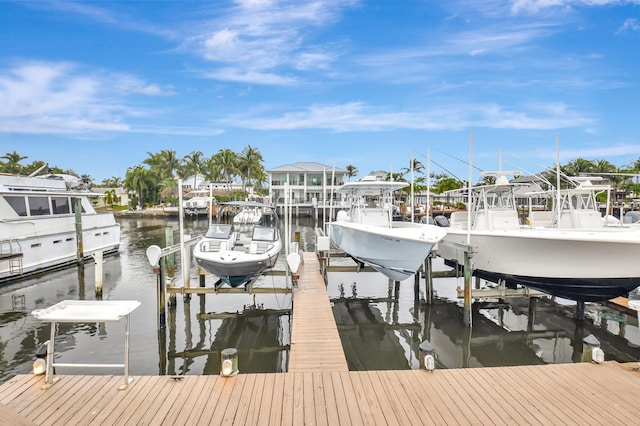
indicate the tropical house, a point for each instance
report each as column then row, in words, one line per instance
column 311, row 184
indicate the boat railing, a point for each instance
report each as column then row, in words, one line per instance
column 11, row 246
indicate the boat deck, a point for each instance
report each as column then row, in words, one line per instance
column 318, row 389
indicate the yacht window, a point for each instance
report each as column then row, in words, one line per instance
column 39, row 206
column 17, row 203
column 60, row 205
column 73, row 205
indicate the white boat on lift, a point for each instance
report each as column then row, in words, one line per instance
column 199, row 202
column 368, row 233
column 251, row 213
column 570, row 253
column 239, row 253
column 38, row 225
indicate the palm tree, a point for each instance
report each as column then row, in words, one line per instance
column 86, row 181
column 12, row 165
column 110, row 197
column 577, row 166
column 192, row 165
column 352, row 171
column 137, row 179
column 170, row 161
column 211, row 170
column 226, row 161
column 249, row 163
column 418, row 167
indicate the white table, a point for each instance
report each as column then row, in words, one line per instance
column 86, row 311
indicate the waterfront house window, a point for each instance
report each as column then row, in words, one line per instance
column 60, row 205
column 39, row 206
column 17, row 203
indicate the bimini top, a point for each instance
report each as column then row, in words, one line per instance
column 369, row 185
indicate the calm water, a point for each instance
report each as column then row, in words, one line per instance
column 381, row 325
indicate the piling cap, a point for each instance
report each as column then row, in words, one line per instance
column 426, row 346
column 591, row 340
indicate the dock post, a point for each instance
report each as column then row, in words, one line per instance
column 79, row 244
column 467, row 290
column 580, row 311
column 531, row 320
column 416, row 286
column 97, row 257
column 162, row 316
column 428, row 278
column 171, row 258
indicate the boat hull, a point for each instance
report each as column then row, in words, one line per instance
column 397, row 252
column 236, row 268
column 584, row 266
column 50, row 243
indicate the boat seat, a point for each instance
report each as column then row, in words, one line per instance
column 541, row 219
column 212, row 245
column 259, row 247
column 459, row 220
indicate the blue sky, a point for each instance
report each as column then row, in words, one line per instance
column 95, row 85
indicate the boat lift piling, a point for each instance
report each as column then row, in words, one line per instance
column 156, row 257
column 79, row 246
column 97, row 257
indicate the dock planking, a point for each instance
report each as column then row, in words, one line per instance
column 315, row 342
column 318, row 389
column 582, row 393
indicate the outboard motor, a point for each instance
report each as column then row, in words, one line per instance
column 442, row 221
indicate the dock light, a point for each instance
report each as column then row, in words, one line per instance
column 40, row 364
column 427, row 356
column 591, row 350
column 229, row 362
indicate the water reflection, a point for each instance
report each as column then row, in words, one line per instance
column 259, row 334
column 381, row 325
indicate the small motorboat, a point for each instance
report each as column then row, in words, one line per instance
column 238, row 254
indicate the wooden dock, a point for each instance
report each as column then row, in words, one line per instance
column 315, row 342
column 318, row 389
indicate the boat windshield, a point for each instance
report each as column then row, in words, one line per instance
column 219, row 231
column 262, row 233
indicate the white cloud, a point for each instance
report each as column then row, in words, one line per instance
column 630, row 24
column 263, row 37
column 358, row 116
column 535, row 6
column 60, row 98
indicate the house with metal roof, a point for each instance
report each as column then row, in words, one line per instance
column 311, row 184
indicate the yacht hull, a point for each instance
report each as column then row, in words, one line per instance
column 51, row 243
column 397, row 252
column 581, row 265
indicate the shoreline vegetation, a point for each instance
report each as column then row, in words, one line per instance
column 154, row 181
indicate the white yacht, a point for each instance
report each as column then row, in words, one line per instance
column 568, row 252
column 38, row 225
column 368, row 233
